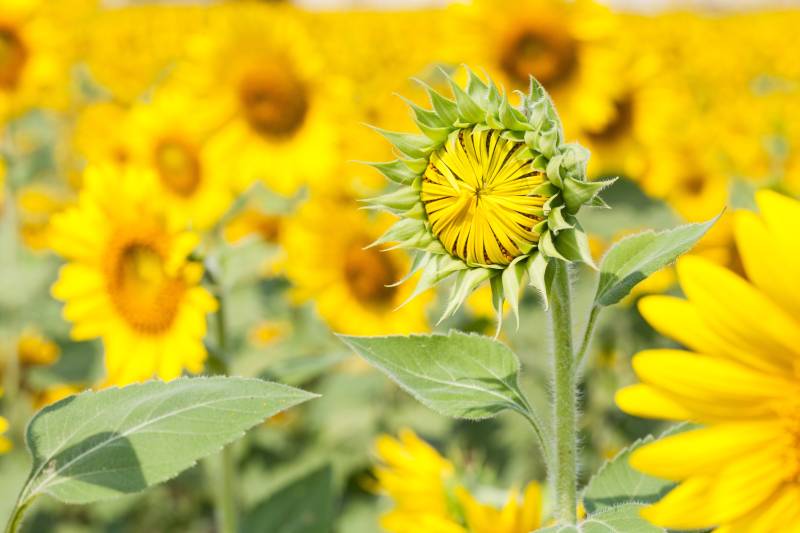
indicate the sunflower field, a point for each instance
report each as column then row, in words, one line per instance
column 478, row 266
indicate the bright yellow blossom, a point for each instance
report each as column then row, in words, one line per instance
column 263, row 74
column 423, row 488
column 129, row 280
column 739, row 472
column 352, row 285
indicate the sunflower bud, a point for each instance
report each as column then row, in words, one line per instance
column 487, row 192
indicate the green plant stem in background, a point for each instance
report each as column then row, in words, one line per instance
column 225, row 493
column 564, row 472
column 15, row 522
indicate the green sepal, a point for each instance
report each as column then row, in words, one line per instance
column 402, row 230
column 548, row 247
column 419, row 261
column 511, row 118
column 573, row 244
column 511, row 135
column 578, row 193
column 575, row 159
column 467, row 281
column 397, row 171
column 556, row 220
column 424, row 116
column 554, row 171
column 549, row 139
column 436, row 268
column 496, row 283
column 539, row 162
column 402, row 199
column 469, row 112
column 417, row 165
column 437, row 135
column 443, row 106
column 476, row 88
column 512, row 280
column 544, row 189
column 537, row 275
column 416, row 146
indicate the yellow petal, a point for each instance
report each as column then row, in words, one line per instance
column 738, row 312
column 648, row 402
column 703, row 451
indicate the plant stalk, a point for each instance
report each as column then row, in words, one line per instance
column 15, row 522
column 565, row 471
column 225, row 496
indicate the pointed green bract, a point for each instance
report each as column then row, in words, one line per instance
column 480, row 107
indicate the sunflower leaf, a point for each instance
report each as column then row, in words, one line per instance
column 457, row 375
column 621, row 519
column 617, row 483
column 104, row 444
column 634, row 258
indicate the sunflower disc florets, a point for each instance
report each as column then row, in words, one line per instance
column 487, row 192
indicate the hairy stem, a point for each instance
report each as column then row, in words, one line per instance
column 580, row 356
column 15, row 522
column 565, row 471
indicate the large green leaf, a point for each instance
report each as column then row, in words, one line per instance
column 458, row 374
column 99, row 445
column 304, row 505
column 617, row 482
column 622, row 519
column 634, row 258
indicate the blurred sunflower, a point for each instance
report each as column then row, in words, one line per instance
column 740, row 471
column 352, row 286
column 97, row 135
column 172, row 135
column 261, row 72
column 129, row 280
column 426, row 496
column 564, row 45
column 34, row 57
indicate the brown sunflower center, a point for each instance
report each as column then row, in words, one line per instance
column 549, row 54
column 619, row 126
column 274, row 102
column 13, row 56
column 368, row 272
column 693, row 185
column 178, row 166
column 142, row 291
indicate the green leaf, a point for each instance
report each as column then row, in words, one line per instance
column 617, row 482
column 634, row 258
column 622, row 519
column 304, row 505
column 99, row 445
column 457, row 375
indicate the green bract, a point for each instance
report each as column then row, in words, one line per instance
column 487, row 192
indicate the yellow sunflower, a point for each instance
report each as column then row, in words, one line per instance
column 352, row 285
column 34, row 56
column 739, row 472
column 173, row 135
column 129, row 280
column 261, row 71
column 427, row 497
column 564, row 45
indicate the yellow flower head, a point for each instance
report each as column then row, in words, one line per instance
column 37, row 49
column 129, row 280
column 35, row 349
column 261, row 72
column 422, row 485
column 415, row 477
column 740, row 471
column 354, row 286
column 521, row 513
column 488, row 191
column 565, row 45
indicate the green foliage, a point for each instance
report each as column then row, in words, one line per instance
column 634, row 258
column 99, row 445
column 618, row 483
column 303, row 505
column 457, row 375
column 621, row 519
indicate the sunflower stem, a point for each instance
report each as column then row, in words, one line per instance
column 565, row 470
column 580, row 356
column 225, row 494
